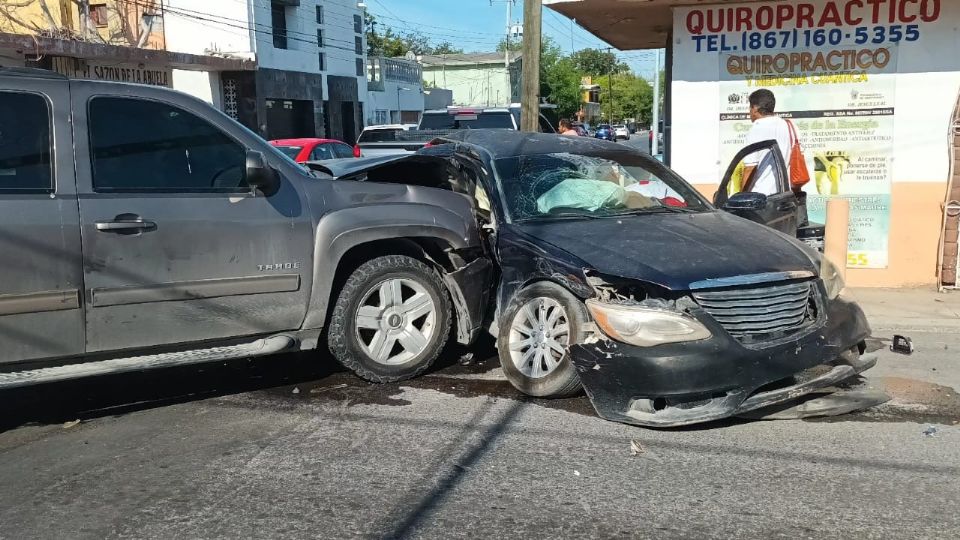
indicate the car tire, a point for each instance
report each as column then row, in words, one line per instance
column 391, row 319
column 525, row 365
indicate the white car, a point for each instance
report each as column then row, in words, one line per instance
column 621, row 132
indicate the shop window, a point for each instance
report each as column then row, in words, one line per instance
column 167, row 149
column 25, row 164
column 98, row 15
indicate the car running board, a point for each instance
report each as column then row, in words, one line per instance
column 259, row 347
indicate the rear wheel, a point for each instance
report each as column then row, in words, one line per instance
column 391, row 319
column 543, row 320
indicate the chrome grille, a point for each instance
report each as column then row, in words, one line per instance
column 761, row 313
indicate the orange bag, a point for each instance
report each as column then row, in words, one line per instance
column 799, row 174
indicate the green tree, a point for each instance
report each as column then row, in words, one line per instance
column 559, row 79
column 597, row 62
column 384, row 41
column 632, row 98
column 510, row 45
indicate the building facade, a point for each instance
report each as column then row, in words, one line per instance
column 476, row 79
column 394, row 91
column 872, row 87
column 117, row 40
column 310, row 54
column 589, row 112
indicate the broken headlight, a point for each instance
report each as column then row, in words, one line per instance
column 645, row 327
column 830, row 275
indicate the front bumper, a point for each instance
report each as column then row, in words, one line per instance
column 689, row 383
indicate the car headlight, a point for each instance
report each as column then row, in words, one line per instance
column 645, row 327
column 832, row 280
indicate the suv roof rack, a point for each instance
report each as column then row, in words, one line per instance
column 37, row 73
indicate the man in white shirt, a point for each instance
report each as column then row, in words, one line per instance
column 766, row 126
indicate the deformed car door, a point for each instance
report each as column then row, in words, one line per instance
column 778, row 210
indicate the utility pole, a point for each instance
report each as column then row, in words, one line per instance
column 506, row 50
column 610, row 84
column 655, row 128
column 530, row 98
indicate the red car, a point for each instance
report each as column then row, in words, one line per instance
column 310, row 149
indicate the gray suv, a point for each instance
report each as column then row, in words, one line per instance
column 142, row 228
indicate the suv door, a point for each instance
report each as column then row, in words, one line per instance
column 41, row 278
column 177, row 248
column 779, row 210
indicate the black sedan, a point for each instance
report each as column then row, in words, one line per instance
column 615, row 275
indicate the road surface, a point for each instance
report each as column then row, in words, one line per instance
column 291, row 447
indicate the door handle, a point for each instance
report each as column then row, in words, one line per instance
column 787, row 206
column 126, row 226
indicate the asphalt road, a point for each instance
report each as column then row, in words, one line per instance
column 291, row 447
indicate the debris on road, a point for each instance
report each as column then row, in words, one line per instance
column 466, row 359
column 902, row 345
column 296, row 390
column 834, row 403
column 930, row 431
column 325, row 388
column 636, row 448
column 73, row 423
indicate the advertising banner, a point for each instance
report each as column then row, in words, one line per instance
column 832, row 66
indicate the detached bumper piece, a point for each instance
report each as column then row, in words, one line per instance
column 686, row 410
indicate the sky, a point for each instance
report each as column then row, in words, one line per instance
column 478, row 25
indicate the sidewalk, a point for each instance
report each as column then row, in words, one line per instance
column 910, row 310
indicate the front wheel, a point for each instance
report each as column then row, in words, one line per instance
column 391, row 320
column 543, row 320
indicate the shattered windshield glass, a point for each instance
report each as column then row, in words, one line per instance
column 545, row 186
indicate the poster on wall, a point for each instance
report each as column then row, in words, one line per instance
column 832, row 66
column 843, row 113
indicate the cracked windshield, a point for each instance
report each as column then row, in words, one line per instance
column 557, row 185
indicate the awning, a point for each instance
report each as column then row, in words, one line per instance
column 628, row 24
column 40, row 46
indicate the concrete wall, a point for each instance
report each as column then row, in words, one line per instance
column 409, row 100
column 483, row 84
column 437, row 98
column 923, row 88
column 202, row 84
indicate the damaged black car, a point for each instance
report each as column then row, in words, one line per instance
column 614, row 275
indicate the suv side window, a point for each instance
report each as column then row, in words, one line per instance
column 141, row 145
column 25, row 164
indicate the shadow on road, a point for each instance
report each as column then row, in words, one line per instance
column 94, row 397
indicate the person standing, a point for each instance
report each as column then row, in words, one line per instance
column 566, row 128
column 766, row 126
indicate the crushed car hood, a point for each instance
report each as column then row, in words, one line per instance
column 675, row 251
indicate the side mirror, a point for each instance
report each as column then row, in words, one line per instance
column 746, row 201
column 259, row 175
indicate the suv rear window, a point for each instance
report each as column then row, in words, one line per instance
column 478, row 120
column 378, row 135
column 25, row 164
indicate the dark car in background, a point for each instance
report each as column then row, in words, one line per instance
column 605, row 132
column 613, row 274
